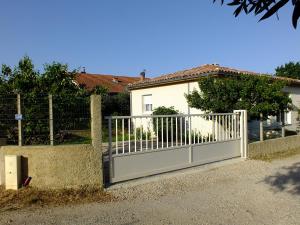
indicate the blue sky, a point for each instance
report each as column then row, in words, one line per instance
column 123, row 37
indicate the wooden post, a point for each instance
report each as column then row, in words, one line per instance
column 20, row 141
column 51, row 120
column 261, row 127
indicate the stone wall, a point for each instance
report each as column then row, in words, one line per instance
column 55, row 167
column 262, row 148
column 63, row 166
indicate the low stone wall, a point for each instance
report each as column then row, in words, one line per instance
column 55, row 167
column 262, row 148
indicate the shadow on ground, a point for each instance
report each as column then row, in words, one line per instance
column 287, row 179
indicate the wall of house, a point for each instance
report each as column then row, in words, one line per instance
column 169, row 95
column 295, row 96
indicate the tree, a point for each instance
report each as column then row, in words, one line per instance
column 57, row 79
column 217, row 95
column 266, row 8
column 290, row 70
column 262, row 96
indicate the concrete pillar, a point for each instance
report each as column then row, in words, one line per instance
column 96, row 123
column 96, row 131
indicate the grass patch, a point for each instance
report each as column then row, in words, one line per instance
column 29, row 196
column 277, row 155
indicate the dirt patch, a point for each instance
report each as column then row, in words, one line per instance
column 277, row 155
column 27, row 197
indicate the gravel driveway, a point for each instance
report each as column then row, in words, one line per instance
column 243, row 192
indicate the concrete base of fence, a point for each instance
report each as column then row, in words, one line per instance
column 57, row 167
column 262, row 148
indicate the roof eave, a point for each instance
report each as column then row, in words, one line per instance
column 194, row 77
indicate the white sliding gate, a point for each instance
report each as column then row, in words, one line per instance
column 147, row 145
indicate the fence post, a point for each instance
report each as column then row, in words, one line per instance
column 51, row 119
column 19, row 111
column 283, row 124
column 110, row 150
column 96, row 131
column 96, row 125
column 243, row 132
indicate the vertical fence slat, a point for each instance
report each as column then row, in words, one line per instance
column 129, row 135
column 167, row 125
column 147, row 136
column 176, row 131
column 185, row 132
column 135, row 135
column 190, row 130
column 123, row 137
column 162, row 132
column 116, row 136
column 172, row 144
column 151, row 132
column 141, row 135
column 157, row 133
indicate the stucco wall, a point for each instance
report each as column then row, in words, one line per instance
column 65, row 166
column 169, row 95
column 295, row 96
column 261, row 148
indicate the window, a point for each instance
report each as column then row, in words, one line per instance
column 147, row 103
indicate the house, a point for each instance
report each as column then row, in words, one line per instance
column 114, row 84
column 168, row 90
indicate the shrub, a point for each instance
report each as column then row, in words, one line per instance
column 162, row 110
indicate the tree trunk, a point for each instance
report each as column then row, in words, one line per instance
column 261, row 128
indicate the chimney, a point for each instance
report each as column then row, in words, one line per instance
column 142, row 75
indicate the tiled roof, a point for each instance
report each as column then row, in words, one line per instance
column 195, row 73
column 115, row 84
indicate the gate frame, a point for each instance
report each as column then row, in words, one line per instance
column 244, row 132
column 243, row 144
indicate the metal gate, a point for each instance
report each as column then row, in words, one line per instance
column 146, row 145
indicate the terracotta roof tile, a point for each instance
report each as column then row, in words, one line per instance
column 195, row 73
column 115, row 84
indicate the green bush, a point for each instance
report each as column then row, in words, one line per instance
column 157, row 125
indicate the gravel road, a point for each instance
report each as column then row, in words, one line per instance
column 243, row 192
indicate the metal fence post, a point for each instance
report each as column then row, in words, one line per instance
column 110, row 150
column 19, row 111
column 51, row 119
column 283, row 118
column 243, row 132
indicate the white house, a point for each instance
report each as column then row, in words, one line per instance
column 169, row 90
